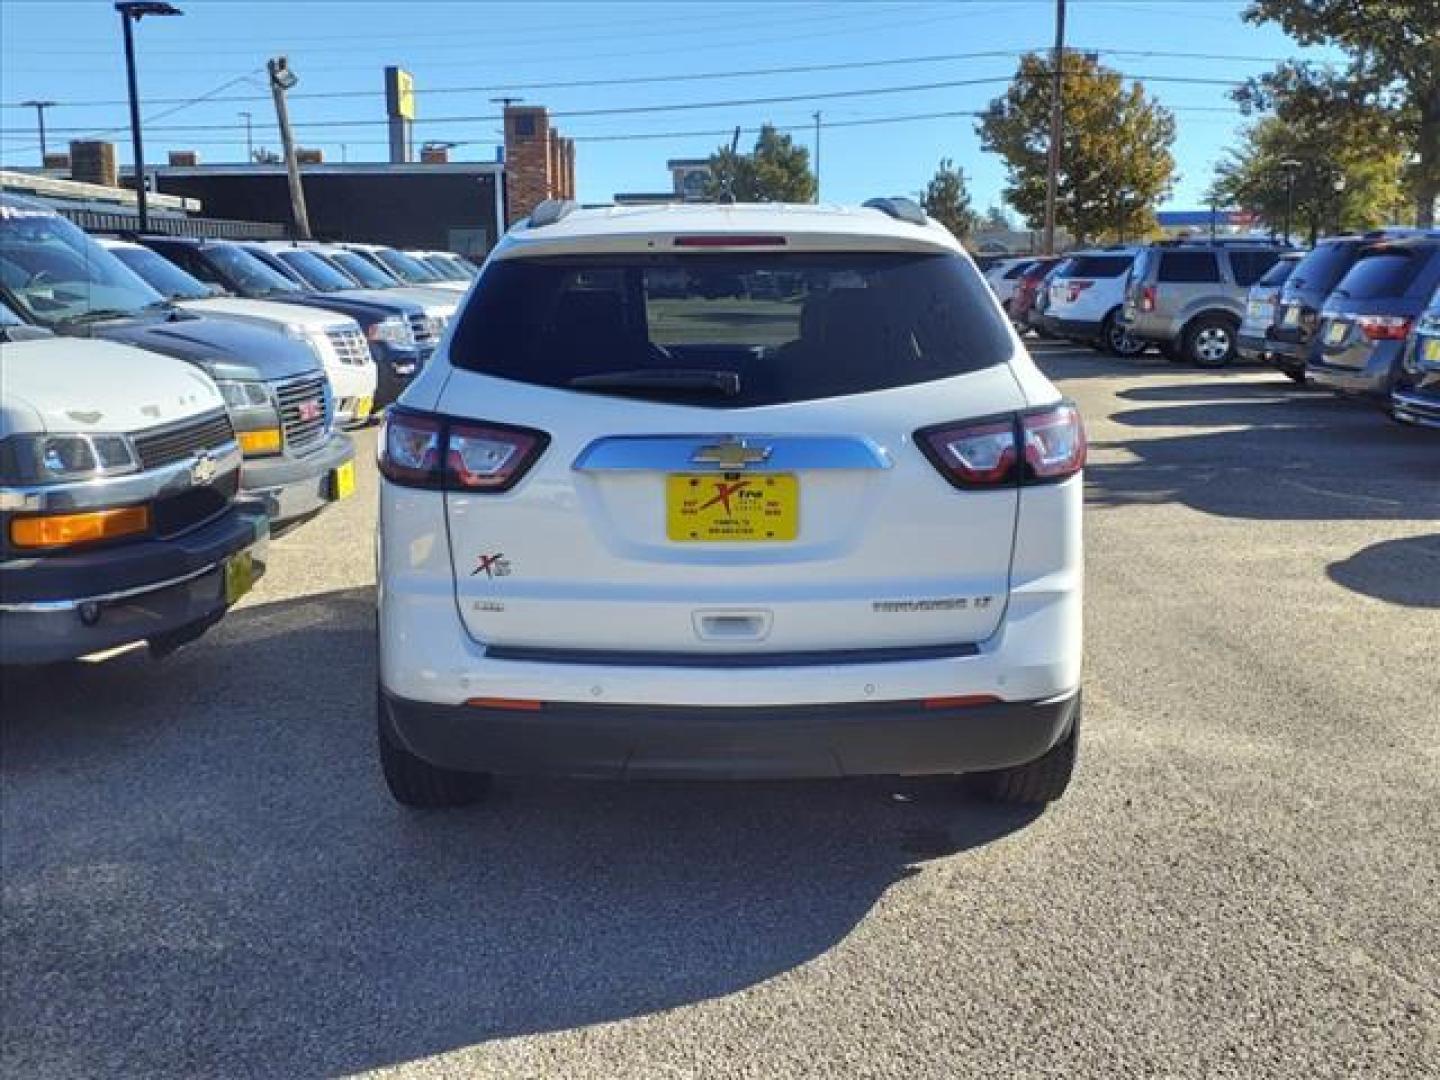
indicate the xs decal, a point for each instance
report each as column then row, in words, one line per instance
column 492, row 566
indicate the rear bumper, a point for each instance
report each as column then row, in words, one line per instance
column 695, row 742
column 1285, row 355
column 64, row 607
column 1373, row 380
column 1251, row 347
column 1079, row 329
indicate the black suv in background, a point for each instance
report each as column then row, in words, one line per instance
column 1292, row 338
column 1367, row 319
column 388, row 324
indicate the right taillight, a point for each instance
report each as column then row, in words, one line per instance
column 1147, row 298
column 428, row 451
column 1042, row 446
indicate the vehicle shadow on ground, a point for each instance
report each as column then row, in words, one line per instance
column 1404, row 571
column 205, row 876
column 1270, row 451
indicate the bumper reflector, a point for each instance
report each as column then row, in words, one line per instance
column 513, row 704
column 960, row 702
column 63, row 530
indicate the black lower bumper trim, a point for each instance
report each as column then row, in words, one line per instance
column 709, row 742
column 816, row 658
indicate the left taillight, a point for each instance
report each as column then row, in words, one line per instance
column 1383, row 327
column 1041, row 446
column 425, row 450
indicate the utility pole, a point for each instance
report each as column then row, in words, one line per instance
column 1052, row 170
column 1290, row 165
column 817, row 156
column 281, row 80
column 249, row 136
column 40, row 107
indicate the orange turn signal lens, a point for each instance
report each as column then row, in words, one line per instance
column 258, row 443
column 63, row 530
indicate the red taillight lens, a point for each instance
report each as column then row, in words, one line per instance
column 1054, row 443
column 411, row 449
column 1076, row 288
column 973, row 455
column 483, row 458
column 428, row 451
column 989, row 453
column 1384, row 327
column 1147, row 298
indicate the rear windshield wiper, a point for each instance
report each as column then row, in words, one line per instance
column 721, row 382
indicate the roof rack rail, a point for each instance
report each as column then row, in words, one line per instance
column 899, row 208
column 551, row 211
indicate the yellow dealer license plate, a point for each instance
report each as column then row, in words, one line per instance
column 1431, row 352
column 344, row 480
column 732, row 507
column 239, row 576
column 1336, row 333
column 363, row 407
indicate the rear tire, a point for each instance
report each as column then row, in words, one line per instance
column 1116, row 341
column 415, row 782
column 1209, row 341
column 1036, row 782
column 1295, row 376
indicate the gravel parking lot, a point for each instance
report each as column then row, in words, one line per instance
column 204, row 876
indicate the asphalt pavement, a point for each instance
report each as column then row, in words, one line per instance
column 203, row 875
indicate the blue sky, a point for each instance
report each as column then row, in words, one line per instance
column 465, row 54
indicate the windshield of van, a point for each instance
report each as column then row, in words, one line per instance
column 406, row 268
column 315, row 270
column 362, row 270
column 248, row 275
column 58, row 275
column 731, row 330
column 162, row 275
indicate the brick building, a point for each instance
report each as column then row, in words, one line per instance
column 539, row 161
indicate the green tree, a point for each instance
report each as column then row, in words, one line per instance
column 996, row 218
column 947, row 200
column 1339, row 182
column 1394, row 67
column 775, row 171
column 1115, row 161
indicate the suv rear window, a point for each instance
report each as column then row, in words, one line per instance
column 1324, row 266
column 1383, row 272
column 1184, row 266
column 785, row 327
column 1279, row 273
column 1098, row 266
column 1248, row 267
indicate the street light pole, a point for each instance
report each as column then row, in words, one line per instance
column 817, row 156
column 281, row 80
column 1052, row 169
column 1289, row 165
column 132, row 11
column 40, row 107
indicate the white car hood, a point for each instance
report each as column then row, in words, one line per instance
column 89, row 385
column 313, row 320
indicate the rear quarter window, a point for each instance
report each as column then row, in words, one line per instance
column 789, row 327
column 1188, row 267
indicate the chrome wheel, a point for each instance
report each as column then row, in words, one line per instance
column 1211, row 346
column 1120, row 342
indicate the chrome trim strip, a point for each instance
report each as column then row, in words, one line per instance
column 676, row 453
column 118, row 490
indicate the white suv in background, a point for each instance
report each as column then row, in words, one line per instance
column 730, row 491
column 1086, row 296
column 1004, row 278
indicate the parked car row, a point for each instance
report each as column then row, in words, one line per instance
column 166, row 402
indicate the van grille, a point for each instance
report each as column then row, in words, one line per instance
column 175, row 514
column 349, row 344
column 177, row 442
column 304, row 411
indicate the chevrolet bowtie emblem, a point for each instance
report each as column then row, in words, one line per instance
column 730, row 455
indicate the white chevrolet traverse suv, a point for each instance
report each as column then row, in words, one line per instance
column 730, row 491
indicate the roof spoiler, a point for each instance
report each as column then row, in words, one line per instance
column 551, row 211
column 899, row 208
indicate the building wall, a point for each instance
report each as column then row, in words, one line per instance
column 539, row 161
column 444, row 210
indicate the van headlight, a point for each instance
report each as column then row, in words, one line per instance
column 44, row 458
column 392, row 330
column 244, row 394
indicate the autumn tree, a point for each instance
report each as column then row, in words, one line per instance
column 775, row 171
column 1394, row 71
column 947, row 200
column 1115, row 161
column 1334, row 184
